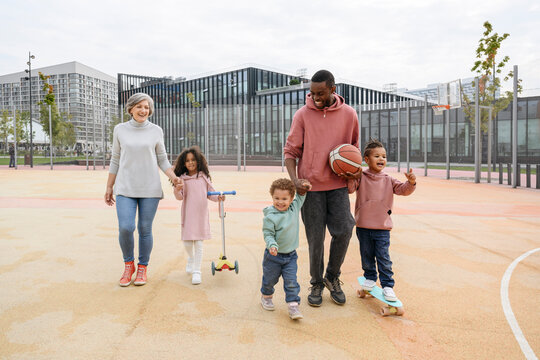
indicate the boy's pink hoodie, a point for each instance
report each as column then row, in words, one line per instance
column 375, row 199
column 314, row 133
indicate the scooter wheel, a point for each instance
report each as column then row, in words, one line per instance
column 213, row 268
column 236, row 266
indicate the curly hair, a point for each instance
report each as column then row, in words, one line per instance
column 283, row 184
column 180, row 162
column 372, row 144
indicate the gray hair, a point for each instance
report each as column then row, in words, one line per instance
column 137, row 98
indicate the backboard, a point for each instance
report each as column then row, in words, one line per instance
column 449, row 94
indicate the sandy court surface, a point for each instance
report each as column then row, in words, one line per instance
column 451, row 245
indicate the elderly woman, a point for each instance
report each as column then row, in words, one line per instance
column 138, row 151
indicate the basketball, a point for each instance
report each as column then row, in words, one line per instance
column 345, row 158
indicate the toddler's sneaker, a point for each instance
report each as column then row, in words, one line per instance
column 189, row 265
column 141, row 275
column 368, row 285
column 196, row 278
column 267, row 303
column 389, row 294
column 294, row 312
column 129, row 269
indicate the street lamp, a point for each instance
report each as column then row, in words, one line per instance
column 29, row 78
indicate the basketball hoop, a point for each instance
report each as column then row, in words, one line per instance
column 439, row 109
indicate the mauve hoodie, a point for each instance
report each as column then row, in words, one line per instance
column 375, row 199
column 314, row 133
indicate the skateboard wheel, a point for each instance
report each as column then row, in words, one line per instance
column 390, row 310
column 213, row 268
column 361, row 293
column 385, row 311
column 236, row 266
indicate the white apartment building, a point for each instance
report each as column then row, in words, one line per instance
column 89, row 95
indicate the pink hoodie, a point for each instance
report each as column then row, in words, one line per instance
column 375, row 199
column 314, row 133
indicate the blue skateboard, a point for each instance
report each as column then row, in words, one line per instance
column 391, row 308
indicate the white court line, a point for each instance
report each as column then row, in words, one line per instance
column 525, row 347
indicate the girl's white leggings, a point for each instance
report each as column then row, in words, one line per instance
column 194, row 250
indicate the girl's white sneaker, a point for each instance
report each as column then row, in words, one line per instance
column 196, row 278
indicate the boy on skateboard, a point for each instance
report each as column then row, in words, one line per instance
column 374, row 200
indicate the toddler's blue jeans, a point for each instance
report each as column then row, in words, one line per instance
column 374, row 245
column 284, row 265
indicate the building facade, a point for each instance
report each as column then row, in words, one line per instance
column 245, row 112
column 88, row 95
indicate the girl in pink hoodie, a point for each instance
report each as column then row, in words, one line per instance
column 374, row 200
column 195, row 182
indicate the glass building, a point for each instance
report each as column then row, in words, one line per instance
column 247, row 113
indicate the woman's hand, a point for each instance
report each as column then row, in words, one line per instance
column 178, row 184
column 109, row 199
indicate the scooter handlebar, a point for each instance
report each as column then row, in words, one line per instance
column 222, row 193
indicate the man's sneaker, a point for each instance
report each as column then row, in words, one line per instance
column 196, row 278
column 294, row 312
column 129, row 269
column 189, row 265
column 141, row 275
column 335, row 290
column 389, row 294
column 315, row 297
column 368, row 285
column 267, row 303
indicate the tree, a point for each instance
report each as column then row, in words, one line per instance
column 49, row 100
column 294, row 82
column 6, row 127
column 487, row 69
column 115, row 120
column 22, row 119
column 66, row 135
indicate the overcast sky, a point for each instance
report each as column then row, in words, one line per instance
column 409, row 42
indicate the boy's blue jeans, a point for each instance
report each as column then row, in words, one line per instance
column 126, row 209
column 374, row 246
column 284, row 265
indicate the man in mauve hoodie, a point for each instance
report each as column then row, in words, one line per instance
column 319, row 126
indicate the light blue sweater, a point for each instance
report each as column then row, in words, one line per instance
column 281, row 228
column 137, row 152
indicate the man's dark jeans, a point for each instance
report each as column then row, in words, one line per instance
column 327, row 209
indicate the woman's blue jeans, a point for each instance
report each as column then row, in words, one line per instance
column 126, row 209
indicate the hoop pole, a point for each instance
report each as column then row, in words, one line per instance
column 399, row 136
column 447, row 143
column 425, row 135
column 477, row 131
column 515, row 129
column 408, row 135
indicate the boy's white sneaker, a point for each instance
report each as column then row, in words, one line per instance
column 196, row 278
column 389, row 294
column 267, row 303
column 294, row 312
column 368, row 285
